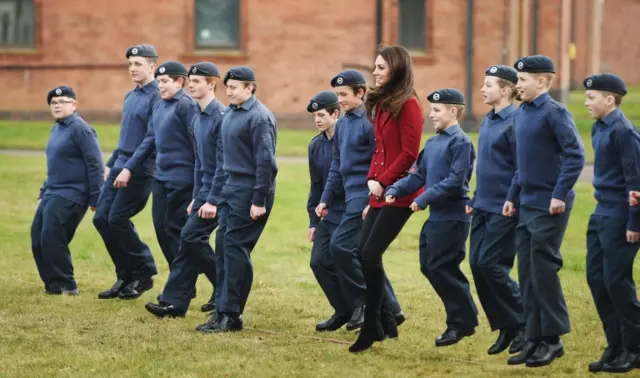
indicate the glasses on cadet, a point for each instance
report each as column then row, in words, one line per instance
column 61, row 102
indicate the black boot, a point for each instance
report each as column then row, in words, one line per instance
column 389, row 323
column 371, row 330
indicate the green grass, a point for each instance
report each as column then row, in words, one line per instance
column 83, row 336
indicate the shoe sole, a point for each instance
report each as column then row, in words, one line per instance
column 354, row 327
column 535, row 364
column 453, row 342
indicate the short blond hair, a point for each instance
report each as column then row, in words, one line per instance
column 548, row 76
column 459, row 109
column 616, row 96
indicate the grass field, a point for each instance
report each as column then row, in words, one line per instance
column 82, row 336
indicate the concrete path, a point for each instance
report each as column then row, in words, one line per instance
column 586, row 176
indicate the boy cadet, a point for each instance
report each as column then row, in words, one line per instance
column 445, row 166
column 248, row 144
column 550, row 157
column 75, row 174
column 170, row 135
column 195, row 252
column 353, row 149
column 493, row 236
column 130, row 255
column 325, row 109
column 614, row 227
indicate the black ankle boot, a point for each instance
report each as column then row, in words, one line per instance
column 388, row 321
column 369, row 334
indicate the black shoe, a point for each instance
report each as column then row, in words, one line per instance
column 334, row 323
column 226, row 324
column 135, row 288
column 622, row 363
column 452, row 336
column 368, row 335
column 357, row 319
column 608, row 355
column 209, row 306
column 163, row 310
column 545, row 354
column 114, row 291
column 212, row 323
column 399, row 318
column 518, row 343
column 504, row 340
column 528, row 349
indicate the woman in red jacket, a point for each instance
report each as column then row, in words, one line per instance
column 396, row 113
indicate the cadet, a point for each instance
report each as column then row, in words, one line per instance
column 614, row 227
column 195, row 252
column 493, row 236
column 171, row 137
column 248, row 136
column 325, row 109
column 75, row 174
column 445, row 166
column 130, row 255
column 353, row 149
column 550, row 158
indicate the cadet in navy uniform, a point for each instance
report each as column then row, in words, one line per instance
column 493, row 236
column 445, row 166
column 248, row 144
column 117, row 205
column 325, row 109
column 170, row 135
column 75, row 174
column 614, row 227
column 353, row 149
column 195, row 253
column 550, row 157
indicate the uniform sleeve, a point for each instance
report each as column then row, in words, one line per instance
column 315, row 190
column 514, row 190
column 461, row 165
column 334, row 183
column 569, row 141
column 410, row 122
column 112, row 159
column 263, row 138
column 628, row 143
column 211, row 156
column 411, row 183
column 86, row 139
column 145, row 149
column 197, row 177
column 219, row 177
column 43, row 188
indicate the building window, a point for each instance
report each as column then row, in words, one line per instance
column 217, row 24
column 17, row 23
column 412, row 24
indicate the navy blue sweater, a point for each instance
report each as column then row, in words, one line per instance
column 136, row 114
column 171, row 136
column 616, row 143
column 496, row 165
column 206, row 128
column 320, row 158
column 354, row 143
column 444, row 168
column 550, row 154
column 75, row 169
column 249, row 136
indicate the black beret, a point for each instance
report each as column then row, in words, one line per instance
column 322, row 100
column 146, row 51
column 240, row 73
column 606, row 82
column 60, row 91
column 348, row 77
column 503, row 72
column 204, row 69
column 446, row 96
column 535, row 64
column 171, row 67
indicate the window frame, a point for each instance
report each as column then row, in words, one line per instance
column 35, row 29
column 196, row 30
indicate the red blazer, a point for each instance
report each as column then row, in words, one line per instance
column 397, row 148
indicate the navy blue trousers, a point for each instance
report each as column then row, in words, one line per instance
column 491, row 256
column 610, row 276
column 53, row 228
column 194, row 256
column 236, row 237
column 442, row 250
column 131, row 257
column 324, row 270
column 169, row 212
column 539, row 237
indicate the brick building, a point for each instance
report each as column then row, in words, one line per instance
column 296, row 46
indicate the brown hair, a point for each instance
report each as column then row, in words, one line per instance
column 356, row 87
column 459, row 109
column 502, row 83
column 255, row 86
column 399, row 88
column 176, row 77
column 152, row 60
column 616, row 96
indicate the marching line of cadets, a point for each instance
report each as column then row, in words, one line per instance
column 212, row 168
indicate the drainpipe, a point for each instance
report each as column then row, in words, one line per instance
column 470, row 119
column 378, row 23
column 534, row 27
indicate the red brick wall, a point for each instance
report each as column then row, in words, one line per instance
column 620, row 32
